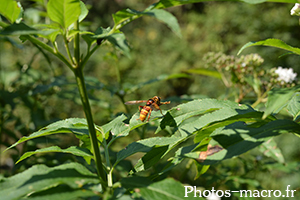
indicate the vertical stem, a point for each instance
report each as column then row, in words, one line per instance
column 108, row 164
column 87, row 108
column 1, row 103
column 76, row 45
column 92, row 131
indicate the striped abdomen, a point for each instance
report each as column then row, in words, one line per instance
column 144, row 112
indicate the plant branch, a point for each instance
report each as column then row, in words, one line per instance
column 68, row 49
column 89, row 54
column 77, row 45
column 92, row 131
column 49, row 49
column 260, row 99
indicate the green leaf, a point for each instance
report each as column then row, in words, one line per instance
column 170, row 3
column 101, row 33
column 272, row 43
column 212, row 110
column 278, row 98
column 162, row 4
column 72, row 125
column 41, row 177
column 146, row 146
column 167, row 18
column 23, row 29
column 150, row 158
column 167, row 189
column 84, row 12
column 77, row 151
column 294, row 106
column 154, row 155
column 205, row 72
column 119, row 41
column 239, row 137
column 278, row 1
column 61, row 192
column 123, row 17
column 178, row 158
column 116, row 126
column 64, row 12
column 253, row 1
column 10, row 10
column 249, row 116
column 270, row 149
column 201, row 169
column 262, row 1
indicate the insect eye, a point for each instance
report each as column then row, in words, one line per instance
column 157, row 99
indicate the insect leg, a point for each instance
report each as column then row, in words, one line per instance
column 149, row 115
column 157, row 108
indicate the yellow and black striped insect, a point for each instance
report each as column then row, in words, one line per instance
column 151, row 104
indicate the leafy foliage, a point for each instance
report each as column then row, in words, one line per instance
column 272, row 43
column 204, row 131
column 41, row 177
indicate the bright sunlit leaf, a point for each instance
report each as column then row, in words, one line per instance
column 272, row 43
column 294, row 106
column 278, row 98
column 64, row 12
column 10, row 10
column 77, row 151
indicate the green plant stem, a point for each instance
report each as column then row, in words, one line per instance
column 123, row 23
column 109, row 178
column 49, row 49
column 87, row 109
column 108, row 164
column 223, row 77
column 68, row 49
column 260, row 99
column 89, row 54
column 76, row 45
column 92, row 131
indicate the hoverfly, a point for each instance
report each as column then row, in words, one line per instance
column 151, row 104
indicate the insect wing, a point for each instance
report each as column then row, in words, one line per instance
column 135, row 102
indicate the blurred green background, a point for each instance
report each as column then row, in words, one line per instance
column 35, row 93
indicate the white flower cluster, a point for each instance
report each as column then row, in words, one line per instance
column 296, row 9
column 285, row 75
